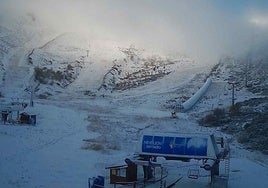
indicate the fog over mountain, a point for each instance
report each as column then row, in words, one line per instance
column 204, row 30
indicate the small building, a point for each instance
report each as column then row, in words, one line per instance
column 7, row 111
column 179, row 146
column 203, row 154
column 26, row 118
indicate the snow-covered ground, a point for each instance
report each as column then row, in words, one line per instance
column 53, row 154
column 77, row 136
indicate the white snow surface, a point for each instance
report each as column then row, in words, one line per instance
column 50, row 154
column 59, row 152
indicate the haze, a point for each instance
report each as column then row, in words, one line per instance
column 204, row 30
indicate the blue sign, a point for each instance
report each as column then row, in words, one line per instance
column 192, row 146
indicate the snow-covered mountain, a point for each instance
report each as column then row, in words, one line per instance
column 94, row 98
column 8, row 41
column 70, row 62
column 58, row 62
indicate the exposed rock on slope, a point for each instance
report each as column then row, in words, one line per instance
column 60, row 60
column 136, row 70
column 246, row 73
column 246, row 120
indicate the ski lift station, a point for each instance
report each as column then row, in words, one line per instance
column 18, row 108
column 172, row 160
column 182, row 147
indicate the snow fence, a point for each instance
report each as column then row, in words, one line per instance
column 187, row 105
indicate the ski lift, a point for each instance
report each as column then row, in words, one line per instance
column 193, row 173
column 96, row 182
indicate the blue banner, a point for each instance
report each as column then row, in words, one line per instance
column 190, row 146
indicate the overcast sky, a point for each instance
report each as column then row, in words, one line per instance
column 203, row 29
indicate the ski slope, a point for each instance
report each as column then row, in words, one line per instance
column 77, row 135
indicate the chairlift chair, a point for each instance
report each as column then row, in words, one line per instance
column 193, row 173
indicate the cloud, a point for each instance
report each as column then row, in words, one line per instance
column 200, row 29
column 261, row 21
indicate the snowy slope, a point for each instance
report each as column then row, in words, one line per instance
column 8, row 41
column 17, row 39
column 75, row 140
column 59, row 61
column 78, row 135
